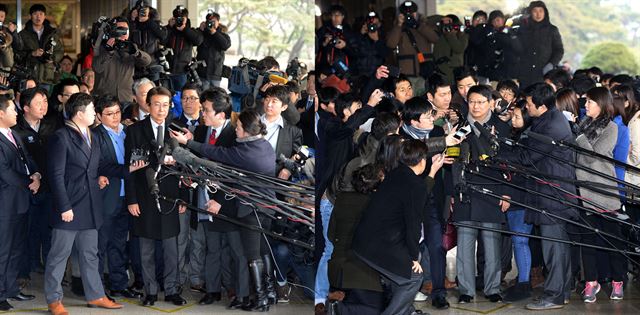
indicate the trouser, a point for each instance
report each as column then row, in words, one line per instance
column 590, row 255
column 403, row 290
column 112, row 245
column 515, row 218
column 197, row 255
column 207, row 84
column 322, row 276
column 361, row 302
column 438, row 257
column 13, row 233
column 183, row 247
column 425, row 262
column 253, row 242
column 286, row 260
column 39, row 240
column 557, row 260
column 148, row 259
column 465, row 258
column 86, row 242
column 213, row 263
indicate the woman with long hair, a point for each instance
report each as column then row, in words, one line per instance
column 599, row 134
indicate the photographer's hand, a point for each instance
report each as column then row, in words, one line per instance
column 172, row 22
column 38, row 52
column 382, row 72
column 341, row 44
column 400, row 19
column 134, row 14
column 183, row 26
column 203, row 25
column 12, row 27
column 375, row 98
column 111, row 42
column 143, row 19
column 284, row 174
column 327, row 39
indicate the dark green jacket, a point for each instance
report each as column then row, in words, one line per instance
column 42, row 71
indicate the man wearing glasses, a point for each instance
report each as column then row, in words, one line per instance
column 191, row 108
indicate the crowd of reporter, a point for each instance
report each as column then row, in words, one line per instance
column 78, row 144
column 416, row 130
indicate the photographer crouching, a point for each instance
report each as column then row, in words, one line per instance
column 115, row 60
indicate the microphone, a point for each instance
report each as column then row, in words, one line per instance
column 541, row 137
column 485, row 133
column 150, row 174
column 185, row 157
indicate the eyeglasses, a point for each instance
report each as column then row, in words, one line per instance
column 112, row 114
column 473, row 103
column 190, row 99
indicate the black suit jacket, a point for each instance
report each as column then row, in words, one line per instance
column 111, row 193
column 14, row 180
column 289, row 140
column 151, row 223
column 74, row 168
column 227, row 139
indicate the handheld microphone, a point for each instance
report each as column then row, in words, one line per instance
column 150, row 174
column 485, row 133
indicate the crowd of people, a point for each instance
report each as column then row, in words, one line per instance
column 84, row 152
column 434, row 134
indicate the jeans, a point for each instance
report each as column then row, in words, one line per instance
column 322, row 276
column 286, row 261
column 515, row 219
column 207, row 84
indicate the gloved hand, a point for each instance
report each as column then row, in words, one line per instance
column 132, row 48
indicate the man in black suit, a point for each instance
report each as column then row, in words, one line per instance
column 73, row 167
column 154, row 220
column 222, row 239
column 112, row 236
column 34, row 130
column 19, row 179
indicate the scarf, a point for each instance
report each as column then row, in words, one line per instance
column 481, row 121
column 416, row 133
column 249, row 139
column 592, row 128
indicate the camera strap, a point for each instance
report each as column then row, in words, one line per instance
column 412, row 39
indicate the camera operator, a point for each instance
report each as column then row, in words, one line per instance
column 448, row 51
column 215, row 42
column 181, row 38
column 499, row 48
column 115, row 59
column 145, row 30
column 10, row 28
column 42, row 47
column 6, row 51
column 333, row 42
column 542, row 45
column 413, row 40
column 370, row 48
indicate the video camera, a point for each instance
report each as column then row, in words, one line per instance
column 192, row 71
column 296, row 69
column 283, row 226
column 18, row 76
column 336, row 34
column 209, row 18
column 3, row 35
column 49, row 46
column 179, row 13
column 407, row 9
column 295, row 164
column 372, row 26
column 161, row 54
column 502, row 107
column 449, row 27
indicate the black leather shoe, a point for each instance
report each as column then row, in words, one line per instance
column 464, row 299
column 494, row 298
column 149, row 300
column 440, row 303
column 22, row 297
column 5, row 306
column 137, row 285
column 237, row 303
column 127, row 293
column 209, row 298
column 176, row 299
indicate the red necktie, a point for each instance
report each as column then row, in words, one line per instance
column 212, row 137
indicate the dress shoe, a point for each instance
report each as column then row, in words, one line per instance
column 5, row 306
column 200, row 288
column 319, row 309
column 237, row 303
column 127, row 293
column 150, row 300
column 494, row 298
column 22, row 297
column 56, row 308
column 440, row 302
column 104, row 302
column 176, row 299
column 465, row 299
column 209, row 298
column 137, row 285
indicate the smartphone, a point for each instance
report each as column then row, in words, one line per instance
column 462, row 132
column 394, row 72
column 175, row 127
